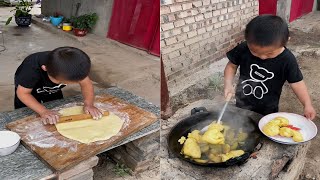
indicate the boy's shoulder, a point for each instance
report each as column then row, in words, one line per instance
column 237, row 53
column 242, row 46
column 289, row 53
column 241, row 49
column 38, row 55
column 34, row 61
column 286, row 57
column 37, row 58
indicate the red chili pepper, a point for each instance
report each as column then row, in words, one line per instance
column 295, row 128
column 292, row 127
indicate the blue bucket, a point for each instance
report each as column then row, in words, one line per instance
column 56, row 20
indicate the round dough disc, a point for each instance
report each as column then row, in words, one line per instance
column 89, row 130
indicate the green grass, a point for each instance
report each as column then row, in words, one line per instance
column 216, row 81
column 121, row 170
column 2, row 3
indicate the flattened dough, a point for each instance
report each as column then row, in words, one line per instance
column 89, row 130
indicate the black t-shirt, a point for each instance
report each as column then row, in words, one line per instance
column 260, row 82
column 30, row 75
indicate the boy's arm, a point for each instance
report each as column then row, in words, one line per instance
column 88, row 96
column 24, row 94
column 229, row 73
column 300, row 89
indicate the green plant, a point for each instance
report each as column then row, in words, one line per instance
column 22, row 9
column 121, row 170
column 216, row 82
column 3, row 3
column 85, row 22
column 67, row 20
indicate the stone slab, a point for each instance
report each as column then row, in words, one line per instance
column 143, row 152
column 155, row 163
column 147, row 139
column 78, row 169
column 86, row 175
column 121, row 156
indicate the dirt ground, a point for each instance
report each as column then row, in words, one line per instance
column 113, row 64
column 106, row 168
column 305, row 43
column 289, row 103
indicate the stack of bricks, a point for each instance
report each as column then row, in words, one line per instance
column 196, row 33
column 139, row 155
column 82, row 171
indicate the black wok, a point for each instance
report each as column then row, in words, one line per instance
column 234, row 117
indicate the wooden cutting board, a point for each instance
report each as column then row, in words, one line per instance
column 61, row 153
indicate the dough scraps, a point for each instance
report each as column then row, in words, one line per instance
column 89, row 130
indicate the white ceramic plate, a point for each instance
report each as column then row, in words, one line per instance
column 308, row 128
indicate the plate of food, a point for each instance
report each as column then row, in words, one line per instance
column 287, row 128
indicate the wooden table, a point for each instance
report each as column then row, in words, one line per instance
column 24, row 165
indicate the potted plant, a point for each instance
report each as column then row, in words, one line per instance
column 21, row 15
column 66, row 25
column 56, row 19
column 82, row 24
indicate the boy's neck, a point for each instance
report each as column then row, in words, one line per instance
column 281, row 51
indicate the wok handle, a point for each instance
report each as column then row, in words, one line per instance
column 258, row 147
column 238, row 160
column 198, row 109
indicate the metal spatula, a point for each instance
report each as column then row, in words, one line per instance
column 228, row 98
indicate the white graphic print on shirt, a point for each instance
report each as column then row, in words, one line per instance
column 50, row 90
column 255, row 85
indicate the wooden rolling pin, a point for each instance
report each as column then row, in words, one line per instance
column 78, row 117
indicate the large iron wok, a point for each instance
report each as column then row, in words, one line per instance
column 233, row 116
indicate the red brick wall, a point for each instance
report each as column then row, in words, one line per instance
column 196, row 33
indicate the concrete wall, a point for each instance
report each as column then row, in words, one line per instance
column 68, row 8
column 284, row 8
column 315, row 5
column 195, row 34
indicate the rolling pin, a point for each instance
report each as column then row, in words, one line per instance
column 78, row 117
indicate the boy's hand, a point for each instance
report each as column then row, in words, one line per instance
column 49, row 117
column 228, row 89
column 229, row 73
column 309, row 112
column 300, row 89
column 93, row 111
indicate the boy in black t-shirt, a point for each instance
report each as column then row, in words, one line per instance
column 42, row 75
column 265, row 64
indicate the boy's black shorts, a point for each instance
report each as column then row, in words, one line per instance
column 40, row 98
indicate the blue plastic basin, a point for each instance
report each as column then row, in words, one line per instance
column 56, row 20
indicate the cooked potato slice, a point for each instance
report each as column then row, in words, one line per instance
column 215, row 158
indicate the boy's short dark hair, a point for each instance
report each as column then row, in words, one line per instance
column 267, row 30
column 69, row 63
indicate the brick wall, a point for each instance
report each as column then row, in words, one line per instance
column 196, row 33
